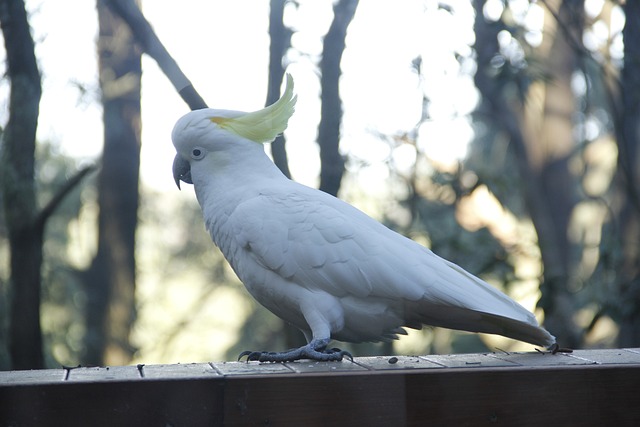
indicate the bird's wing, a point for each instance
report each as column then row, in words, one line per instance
column 309, row 242
column 323, row 243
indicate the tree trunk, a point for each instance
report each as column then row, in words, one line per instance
column 25, row 226
column 280, row 37
column 542, row 140
column 549, row 145
column 332, row 163
column 110, row 280
column 144, row 35
column 280, row 41
column 628, row 181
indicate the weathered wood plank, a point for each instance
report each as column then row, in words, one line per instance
column 471, row 360
column 542, row 359
column 196, row 370
column 340, row 399
column 585, row 388
column 35, row 377
column 182, row 371
column 385, row 363
column 113, row 403
column 253, row 368
column 569, row 396
column 441, row 397
column 107, row 373
column 308, row 366
column 609, row 356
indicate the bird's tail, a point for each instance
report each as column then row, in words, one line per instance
column 423, row 311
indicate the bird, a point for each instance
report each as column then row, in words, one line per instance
column 316, row 261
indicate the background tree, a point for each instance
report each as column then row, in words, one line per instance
column 25, row 221
column 331, row 161
column 110, row 280
column 25, row 224
column 542, row 97
column 537, row 115
column 626, row 202
column 548, row 192
column 280, row 41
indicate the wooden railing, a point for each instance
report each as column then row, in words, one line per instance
column 584, row 388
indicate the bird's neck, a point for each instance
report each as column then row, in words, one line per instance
column 231, row 178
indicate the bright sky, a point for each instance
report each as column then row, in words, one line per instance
column 223, row 48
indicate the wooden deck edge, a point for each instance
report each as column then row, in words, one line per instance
column 569, row 390
column 580, row 359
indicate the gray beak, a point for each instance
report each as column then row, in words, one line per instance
column 181, row 170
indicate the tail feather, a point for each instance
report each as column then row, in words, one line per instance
column 476, row 321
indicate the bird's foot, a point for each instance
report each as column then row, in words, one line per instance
column 315, row 350
column 555, row 348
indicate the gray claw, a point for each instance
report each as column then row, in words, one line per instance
column 315, row 350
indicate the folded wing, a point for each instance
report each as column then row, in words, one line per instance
column 323, row 244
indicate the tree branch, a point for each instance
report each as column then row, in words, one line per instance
column 18, row 187
column 152, row 46
column 57, row 198
column 332, row 163
column 280, row 41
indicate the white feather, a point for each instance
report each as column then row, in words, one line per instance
column 325, row 266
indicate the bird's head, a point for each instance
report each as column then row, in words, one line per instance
column 202, row 132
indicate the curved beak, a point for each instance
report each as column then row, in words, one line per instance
column 181, row 170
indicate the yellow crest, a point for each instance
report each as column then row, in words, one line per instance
column 263, row 125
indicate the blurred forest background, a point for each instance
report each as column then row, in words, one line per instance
column 97, row 268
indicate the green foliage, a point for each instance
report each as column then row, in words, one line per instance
column 62, row 294
column 431, row 208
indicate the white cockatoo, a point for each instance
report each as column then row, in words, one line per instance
column 316, row 261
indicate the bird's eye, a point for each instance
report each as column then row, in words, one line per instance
column 197, row 153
